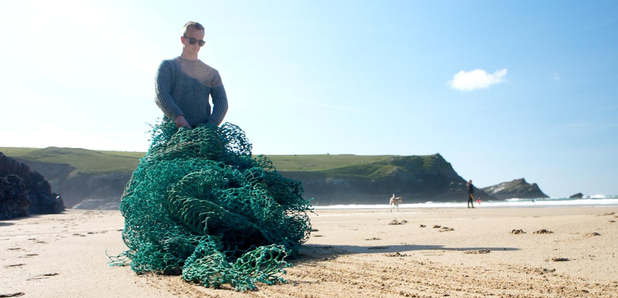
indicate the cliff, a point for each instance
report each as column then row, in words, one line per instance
column 517, row 188
column 88, row 182
column 83, row 190
column 414, row 178
column 88, row 179
column 24, row 192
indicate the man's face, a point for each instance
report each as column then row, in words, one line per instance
column 194, row 33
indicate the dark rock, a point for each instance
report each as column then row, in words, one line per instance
column 578, row 195
column 14, row 200
column 517, row 188
column 42, row 200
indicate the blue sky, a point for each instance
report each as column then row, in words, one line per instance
column 502, row 89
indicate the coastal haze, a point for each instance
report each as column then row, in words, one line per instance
column 502, row 90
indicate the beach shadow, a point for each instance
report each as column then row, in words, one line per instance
column 312, row 251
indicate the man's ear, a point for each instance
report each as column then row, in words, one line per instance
column 181, row 41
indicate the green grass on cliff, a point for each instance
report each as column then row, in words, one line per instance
column 85, row 161
column 318, row 163
column 106, row 162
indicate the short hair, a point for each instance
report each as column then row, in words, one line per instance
column 195, row 25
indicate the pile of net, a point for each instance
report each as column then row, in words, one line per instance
column 200, row 205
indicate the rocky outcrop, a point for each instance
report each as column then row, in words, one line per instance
column 81, row 190
column 517, row 188
column 42, row 200
column 578, row 195
column 414, row 178
column 14, row 200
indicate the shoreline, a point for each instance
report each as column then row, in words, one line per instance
column 351, row 253
column 450, row 205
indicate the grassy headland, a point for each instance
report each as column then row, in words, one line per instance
column 107, row 162
column 330, row 179
column 85, row 161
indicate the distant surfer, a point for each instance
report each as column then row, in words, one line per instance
column 470, row 194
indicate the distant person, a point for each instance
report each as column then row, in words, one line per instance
column 470, row 194
column 184, row 84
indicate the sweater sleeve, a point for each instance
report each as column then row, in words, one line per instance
column 163, row 91
column 219, row 101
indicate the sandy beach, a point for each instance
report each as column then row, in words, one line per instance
column 445, row 252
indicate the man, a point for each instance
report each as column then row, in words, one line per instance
column 470, row 194
column 183, row 85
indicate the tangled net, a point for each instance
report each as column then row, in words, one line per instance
column 200, row 205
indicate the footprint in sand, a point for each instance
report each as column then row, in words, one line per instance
column 543, row 231
column 477, row 252
column 43, row 276
column 14, row 265
column 394, row 222
column 518, row 231
column 13, row 294
column 397, row 254
column 592, row 234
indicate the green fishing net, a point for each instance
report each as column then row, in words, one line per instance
column 199, row 204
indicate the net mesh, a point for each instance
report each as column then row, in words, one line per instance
column 201, row 206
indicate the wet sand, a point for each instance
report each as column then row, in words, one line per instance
column 500, row 252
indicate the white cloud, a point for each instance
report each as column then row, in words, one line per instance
column 555, row 76
column 476, row 79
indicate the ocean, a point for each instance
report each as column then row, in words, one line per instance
column 588, row 201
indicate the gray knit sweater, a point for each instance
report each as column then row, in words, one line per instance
column 182, row 87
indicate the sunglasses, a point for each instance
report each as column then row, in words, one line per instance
column 192, row 40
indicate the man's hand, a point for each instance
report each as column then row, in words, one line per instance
column 181, row 122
